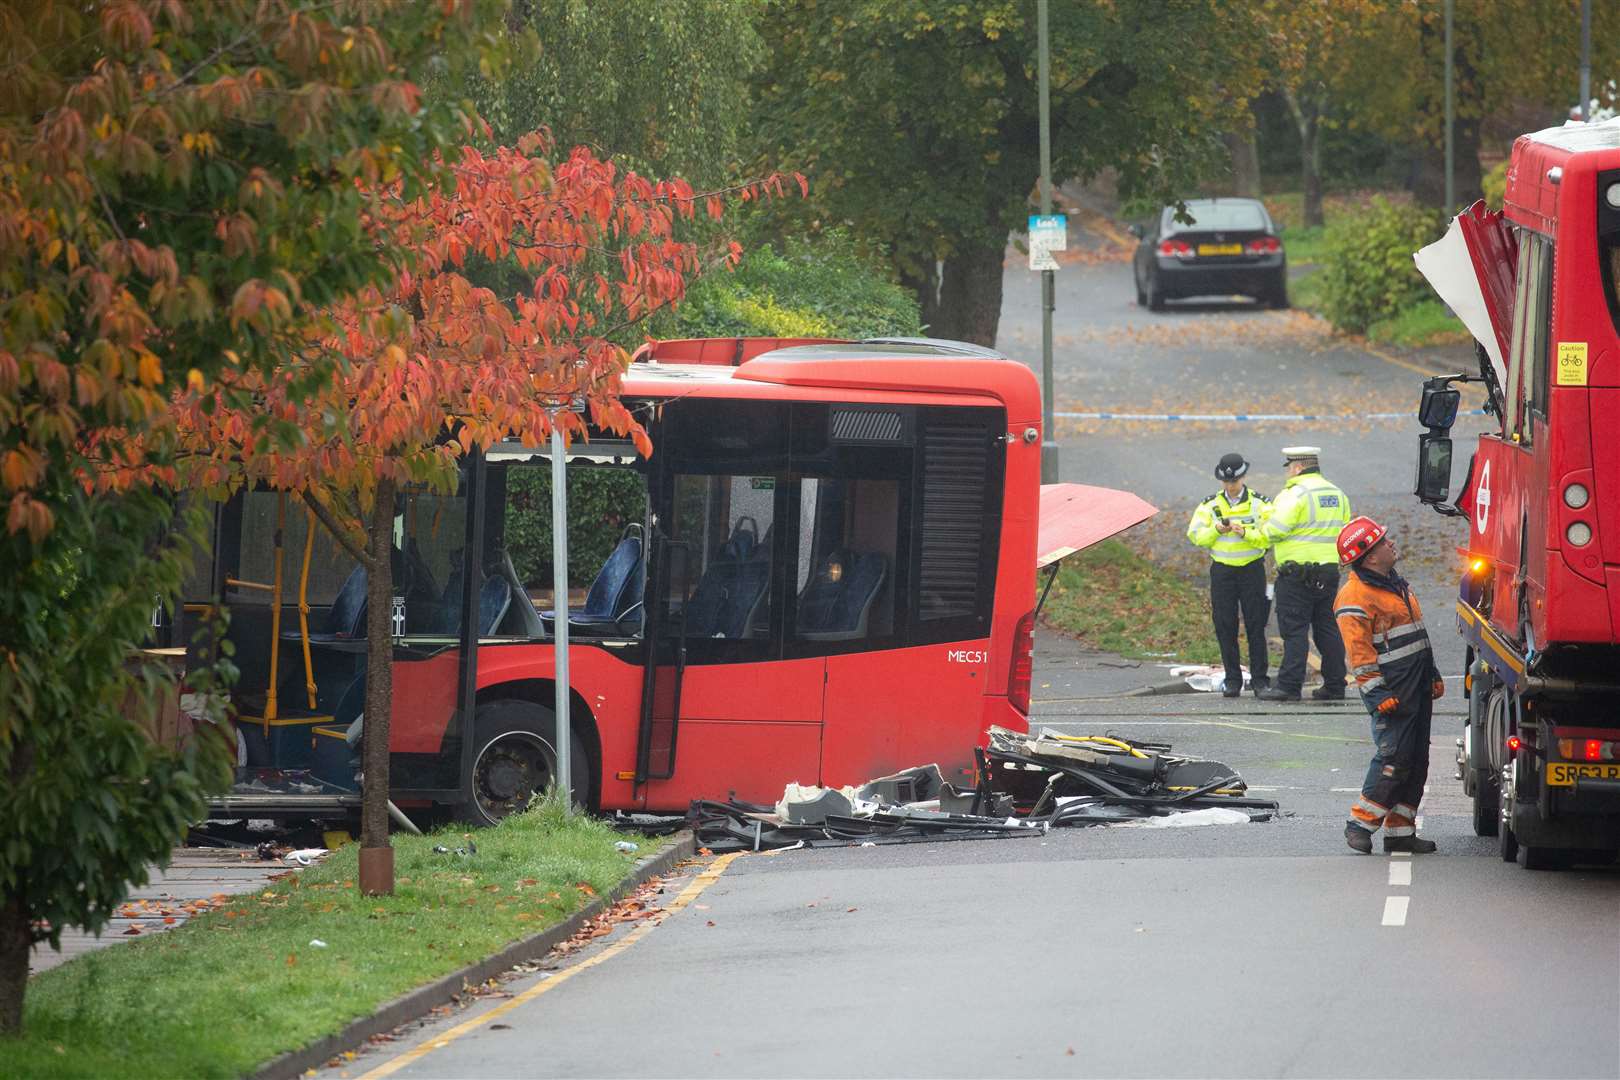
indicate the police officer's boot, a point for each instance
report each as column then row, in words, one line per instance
column 1414, row 844
column 1276, row 693
column 1358, row 838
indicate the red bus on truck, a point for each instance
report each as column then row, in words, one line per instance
column 830, row 575
column 1538, row 284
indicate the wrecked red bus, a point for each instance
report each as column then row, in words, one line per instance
column 1539, row 286
column 829, row 574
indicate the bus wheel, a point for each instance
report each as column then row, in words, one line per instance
column 515, row 761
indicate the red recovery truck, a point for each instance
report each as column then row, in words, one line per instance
column 1538, row 285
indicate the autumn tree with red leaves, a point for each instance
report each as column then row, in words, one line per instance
column 437, row 365
column 182, row 187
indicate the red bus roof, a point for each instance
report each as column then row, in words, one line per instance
column 896, row 369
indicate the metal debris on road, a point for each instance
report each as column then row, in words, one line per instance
column 1027, row 784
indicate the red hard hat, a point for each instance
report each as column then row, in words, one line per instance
column 1357, row 538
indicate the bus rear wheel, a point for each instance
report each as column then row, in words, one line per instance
column 515, row 760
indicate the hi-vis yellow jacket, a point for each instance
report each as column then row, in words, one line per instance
column 1233, row 549
column 1305, row 521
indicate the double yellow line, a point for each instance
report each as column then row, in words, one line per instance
column 687, row 895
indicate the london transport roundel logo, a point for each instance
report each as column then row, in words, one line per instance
column 1482, row 501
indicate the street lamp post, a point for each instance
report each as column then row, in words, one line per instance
column 1049, row 450
column 1586, row 59
column 1451, row 121
column 559, row 604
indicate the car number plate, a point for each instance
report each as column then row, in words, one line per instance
column 1563, row 773
column 1220, row 249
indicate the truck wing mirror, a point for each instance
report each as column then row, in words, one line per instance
column 1438, row 409
column 1434, row 468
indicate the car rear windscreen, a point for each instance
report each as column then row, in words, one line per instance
column 1219, row 215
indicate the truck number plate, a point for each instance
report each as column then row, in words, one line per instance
column 1563, row 773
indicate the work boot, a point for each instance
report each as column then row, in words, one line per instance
column 1276, row 693
column 1231, row 689
column 1328, row 693
column 1360, row 838
column 1415, row 844
column 1258, row 685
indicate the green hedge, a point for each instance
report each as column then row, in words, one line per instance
column 820, row 289
column 601, row 502
column 1367, row 270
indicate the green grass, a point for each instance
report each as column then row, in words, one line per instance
column 1424, row 323
column 1113, row 599
column 1304, row 244
column 232, row 989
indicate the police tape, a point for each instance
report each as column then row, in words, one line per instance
column 1238, row 418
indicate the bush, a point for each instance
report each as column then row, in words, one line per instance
column 821, row 289
column 1367, row 272
column 1494, row 186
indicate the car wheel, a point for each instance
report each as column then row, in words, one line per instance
column 1141, row 297
column 515, row 761
column 1155, row 296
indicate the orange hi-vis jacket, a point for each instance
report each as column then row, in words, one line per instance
column 1386, row 645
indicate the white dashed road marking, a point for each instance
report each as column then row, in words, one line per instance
column 1395, row 909
column 1400, row 873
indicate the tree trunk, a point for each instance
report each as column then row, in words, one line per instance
column 1244, row 150
column 925, row 285
column 16, row 941
column 1307, row 113
column 970, row 295
column 16, row 927
column 1428, row 181
column 379, row 673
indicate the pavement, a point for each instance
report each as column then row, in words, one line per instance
column 1263, row 949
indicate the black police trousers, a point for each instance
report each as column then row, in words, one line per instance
column 1305, row 610
column 1234, row 589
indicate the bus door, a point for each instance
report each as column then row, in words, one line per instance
column 725, row 714
column 900, row 511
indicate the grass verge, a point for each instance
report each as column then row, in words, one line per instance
column 232, row 989
column 1111, row 598
column 1427, row 322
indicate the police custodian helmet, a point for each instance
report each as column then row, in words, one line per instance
column 1231, row 467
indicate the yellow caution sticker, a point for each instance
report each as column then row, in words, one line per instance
column 1572, row 363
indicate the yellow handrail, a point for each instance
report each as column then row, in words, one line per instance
column 303, row 609
column 275, row 617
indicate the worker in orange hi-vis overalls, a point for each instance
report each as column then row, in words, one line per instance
column 1393, row 666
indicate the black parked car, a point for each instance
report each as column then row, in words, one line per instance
column 1230, row 247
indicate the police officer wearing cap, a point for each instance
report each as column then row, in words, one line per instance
column 1237, row 571
column 1303, row 533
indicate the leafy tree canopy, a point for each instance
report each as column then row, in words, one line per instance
column 917, row 120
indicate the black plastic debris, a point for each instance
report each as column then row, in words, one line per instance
column 1027, row 784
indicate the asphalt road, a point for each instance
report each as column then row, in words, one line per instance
column 1240, row 950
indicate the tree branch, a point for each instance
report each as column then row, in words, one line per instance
column 338, row 531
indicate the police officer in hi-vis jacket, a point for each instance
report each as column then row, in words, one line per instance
column 1303, row 534
column 1237, row 571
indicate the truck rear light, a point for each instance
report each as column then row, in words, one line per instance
column 1513, row 744
column 1579, row 533
column 1265, row 245
column 1576, row 496
column 1179, row 249
column 1588, row 749
column 1023, row 663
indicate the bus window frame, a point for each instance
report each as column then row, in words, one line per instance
column 1540, row 331
column 1513, row 422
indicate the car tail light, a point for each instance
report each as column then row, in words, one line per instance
column 1265, row 245
column 1178, row 248
column 1023, row 663
column 1588, row 749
